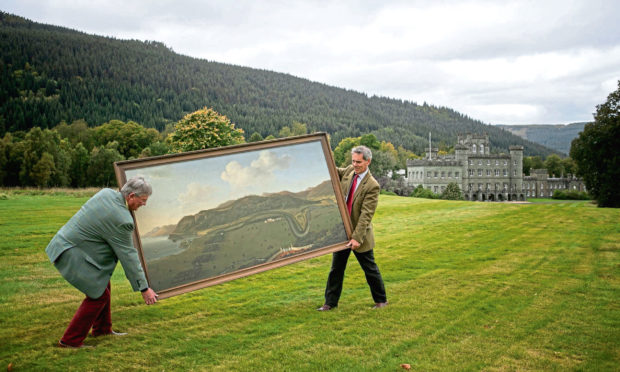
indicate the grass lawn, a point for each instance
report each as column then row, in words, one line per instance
column 472, row 286
column 550, row 200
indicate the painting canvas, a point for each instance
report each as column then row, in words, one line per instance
column 217, row 215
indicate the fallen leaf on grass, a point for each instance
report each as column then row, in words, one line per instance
column 9, row 368
column 406, row 366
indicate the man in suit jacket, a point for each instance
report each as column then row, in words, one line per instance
column 86, row 249
column 362, row 196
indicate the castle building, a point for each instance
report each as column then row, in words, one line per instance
column 484, row 176
column 539, row 185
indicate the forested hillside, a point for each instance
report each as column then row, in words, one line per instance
column 50, row 74
column 557, row 137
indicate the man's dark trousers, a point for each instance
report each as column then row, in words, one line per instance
column 336, row 276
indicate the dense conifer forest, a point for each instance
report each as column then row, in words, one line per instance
column 50, row 75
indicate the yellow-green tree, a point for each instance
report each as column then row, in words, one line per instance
column 299, row 129
column 342, row 157
column 204, row 129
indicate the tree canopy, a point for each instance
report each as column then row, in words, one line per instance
column 597, row 152
column 204, row 129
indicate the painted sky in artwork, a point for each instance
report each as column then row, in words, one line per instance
column 185, row 188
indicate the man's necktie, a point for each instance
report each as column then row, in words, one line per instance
column 351, row 191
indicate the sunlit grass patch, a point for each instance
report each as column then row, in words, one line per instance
column 472, row 286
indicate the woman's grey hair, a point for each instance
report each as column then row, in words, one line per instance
column 365, row 151
column 138, row 186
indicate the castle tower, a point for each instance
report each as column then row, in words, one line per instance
column 477, row 144
column 460, row 152
column 516, row 168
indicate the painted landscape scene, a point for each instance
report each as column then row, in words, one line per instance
column 271, row 204
column 243, row 233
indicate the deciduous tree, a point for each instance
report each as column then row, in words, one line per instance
column 101, row 165
column 255, row 137
column 41, row 172
column 342, row 156
column 299, row 129
column 597, row 152
column 131, row 137
column 204, row 129
column 554, row 166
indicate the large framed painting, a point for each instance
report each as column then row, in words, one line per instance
column 220, row 214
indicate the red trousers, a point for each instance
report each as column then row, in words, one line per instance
column 92, row 313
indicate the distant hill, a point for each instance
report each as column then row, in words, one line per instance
column 557, row 137
column 235, row 210
column 50, row 74
column 160, row 231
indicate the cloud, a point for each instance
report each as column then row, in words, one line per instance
column 260, row 171
column 196, row 195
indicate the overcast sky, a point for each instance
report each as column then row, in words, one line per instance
column 513, row 62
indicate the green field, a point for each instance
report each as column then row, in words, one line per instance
column 472, row 286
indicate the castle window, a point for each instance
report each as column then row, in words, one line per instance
column 479, row 172
column 449, row 174
column 456, row 174
column 488, row 186
column 482, row 149
column 505, row 173
column 488, row 161
column 471, row 162
column 480, row 162
column 514, row 172
column 497, row 186
column 515, row 162
column 435, row 189
column 436, row 174
column 443, row 174
column 428, row 174
column 488, row 172
column 505, row 162
column 497, row 173
column 496, row 162
column 479, row 186
column 473, row 148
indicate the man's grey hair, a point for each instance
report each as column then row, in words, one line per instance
column 138, row 186
column 365, row 151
